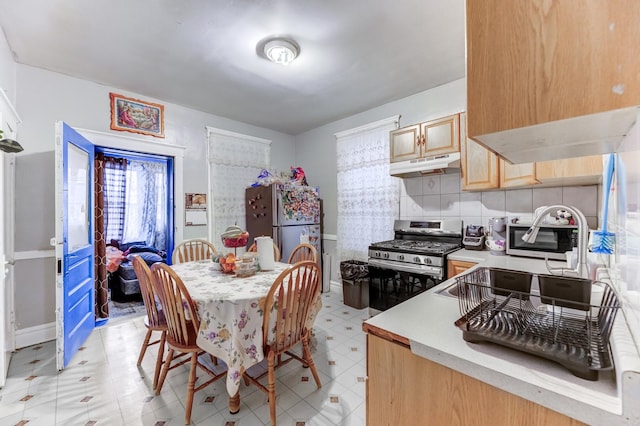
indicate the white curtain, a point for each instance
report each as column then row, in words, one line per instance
column 368, row 197
column 235, row 161
column 146, row 201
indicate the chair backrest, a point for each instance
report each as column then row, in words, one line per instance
column 191, row 250
column 303, row 251
column 145, row 280
column 276, row 251
column 290, row 300
column 179, row 309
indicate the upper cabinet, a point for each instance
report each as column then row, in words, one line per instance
column 482, row 170
column 426, row 139
column 478, row 165
column 547, row 79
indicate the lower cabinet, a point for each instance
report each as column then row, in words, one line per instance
column 405, row 389
column 456, row 267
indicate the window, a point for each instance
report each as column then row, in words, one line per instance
column 368, row 197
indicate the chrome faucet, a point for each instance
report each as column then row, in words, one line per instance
column 583, row 238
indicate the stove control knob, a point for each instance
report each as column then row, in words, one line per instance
column 417, row 259
column 386, row 255
column 400, row 257
column 428, row 261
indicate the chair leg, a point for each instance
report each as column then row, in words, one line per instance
column 165, row 370
column 306, row 354
column 156, row 373
column 145, row 344
column 190, row 388
column 271, row 387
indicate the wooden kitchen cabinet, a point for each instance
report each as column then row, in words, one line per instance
column 517, row 175
column 545, row 60
column 482, row 170
column 456, row 267
column 570, row 171
column 478, row 166
column 406, row 389
column 441, row 136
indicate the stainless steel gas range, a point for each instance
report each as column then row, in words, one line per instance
column 413, row 262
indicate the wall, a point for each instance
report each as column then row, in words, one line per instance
column 439, row 196
column 44, row 97
column 7, row 70
column 319, row 145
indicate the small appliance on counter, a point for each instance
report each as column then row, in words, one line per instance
column 473, row 237
column 497, row 236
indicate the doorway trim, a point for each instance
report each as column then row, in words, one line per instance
column 128, row 143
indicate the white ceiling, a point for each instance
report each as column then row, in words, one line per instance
column 355, row 54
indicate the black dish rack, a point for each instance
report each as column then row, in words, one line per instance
column 560, row 324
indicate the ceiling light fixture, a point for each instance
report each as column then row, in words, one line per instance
column 281, row 50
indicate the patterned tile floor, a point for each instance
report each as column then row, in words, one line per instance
column 103, row 386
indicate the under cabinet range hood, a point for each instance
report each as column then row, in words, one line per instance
column 436, row 164
column 593, row 134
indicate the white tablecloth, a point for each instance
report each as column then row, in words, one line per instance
column 231, row 311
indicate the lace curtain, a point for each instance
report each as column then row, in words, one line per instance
column 145, row 218
column 368, row 197
column 235, row 161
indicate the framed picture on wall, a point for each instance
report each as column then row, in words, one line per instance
column 136, row 116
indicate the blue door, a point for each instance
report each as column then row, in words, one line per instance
column 75, row 316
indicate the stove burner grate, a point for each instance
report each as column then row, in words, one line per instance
column 416, row 245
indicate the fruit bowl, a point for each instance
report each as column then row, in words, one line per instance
column 228, row 263
column 236, row 241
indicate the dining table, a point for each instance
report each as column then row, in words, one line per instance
column 231, row 312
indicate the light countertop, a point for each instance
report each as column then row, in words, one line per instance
column 427, row 321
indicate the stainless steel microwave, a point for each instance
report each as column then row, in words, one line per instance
column 551, row 243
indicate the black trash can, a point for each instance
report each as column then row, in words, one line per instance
column 355, row 283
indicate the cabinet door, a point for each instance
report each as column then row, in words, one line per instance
column 514, row 175
column 442, row 136
column 479, row 166
column 405, row 143
column 406, row 389
column 574, row 171
column 545, row 60
column 456, row 267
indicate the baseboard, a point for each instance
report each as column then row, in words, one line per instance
column 336, row 285
column 34, row 335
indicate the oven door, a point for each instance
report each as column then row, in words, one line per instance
column 391, row 284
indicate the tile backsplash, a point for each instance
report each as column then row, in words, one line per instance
column 439, row 196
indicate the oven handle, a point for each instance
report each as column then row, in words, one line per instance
column 404, row 267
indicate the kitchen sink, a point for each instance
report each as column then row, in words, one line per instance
column 502, row 282
column 450, row 290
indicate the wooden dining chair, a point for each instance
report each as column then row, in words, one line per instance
column 290, row 300
column 303, row 251
column 276, row 251
column 154, row 320
column 191, row 250
column 183, row 325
